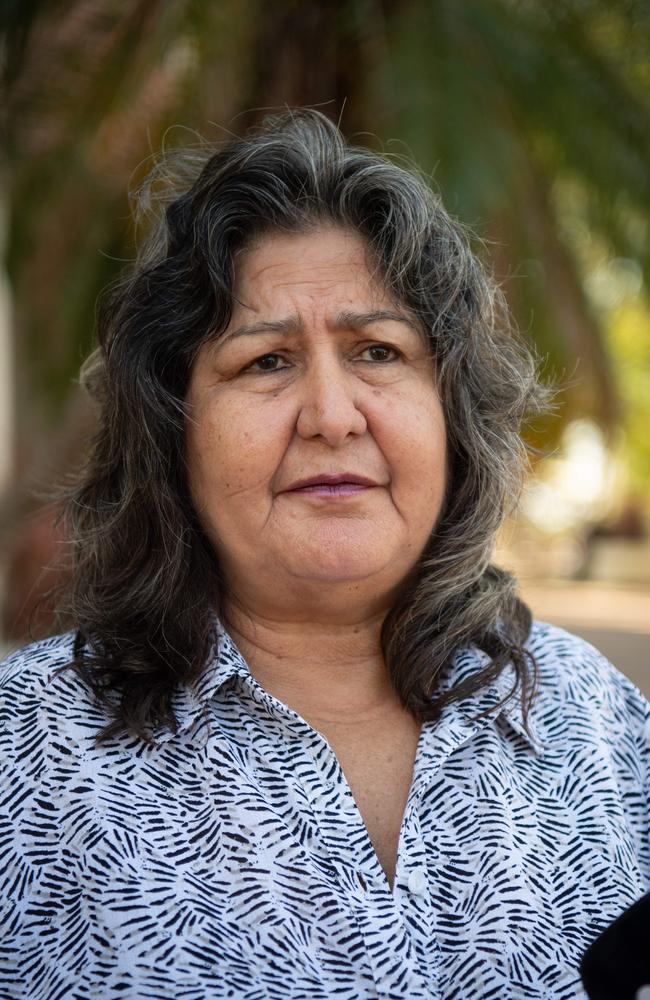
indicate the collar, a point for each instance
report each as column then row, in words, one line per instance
column 486, row 701
column 191, row 700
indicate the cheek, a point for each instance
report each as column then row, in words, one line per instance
column 231, row 452
column 415, row 435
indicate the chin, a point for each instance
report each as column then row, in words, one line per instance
column 333, row 564
column 334, row 573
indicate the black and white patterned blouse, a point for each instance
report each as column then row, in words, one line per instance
column 230, row 860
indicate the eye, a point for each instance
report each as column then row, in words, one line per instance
column 380, row 353
column 266, row 363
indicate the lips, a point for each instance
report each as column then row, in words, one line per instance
column 336, row 483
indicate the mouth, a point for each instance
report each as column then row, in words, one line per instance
column 343, row 484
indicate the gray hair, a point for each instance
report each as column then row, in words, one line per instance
column 146, row 581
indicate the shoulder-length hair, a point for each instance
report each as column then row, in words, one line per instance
column 146, row 582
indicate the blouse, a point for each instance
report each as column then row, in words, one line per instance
column 230, row 860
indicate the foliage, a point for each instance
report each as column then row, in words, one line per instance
column 508, row 102
column 629, row 330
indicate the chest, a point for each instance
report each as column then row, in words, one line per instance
column 200, row 867
column 377, row 762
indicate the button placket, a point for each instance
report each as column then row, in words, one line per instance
column 412, row 895
column 390, row 954
column 389, row 950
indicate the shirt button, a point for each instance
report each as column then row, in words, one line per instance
column 417, row 881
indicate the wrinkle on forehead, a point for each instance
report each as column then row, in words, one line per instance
column 345, row 268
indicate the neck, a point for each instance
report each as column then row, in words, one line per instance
column 325, row 670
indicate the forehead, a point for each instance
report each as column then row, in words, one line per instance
column 318, row 265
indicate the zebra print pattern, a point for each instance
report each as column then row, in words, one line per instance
column 230, row 860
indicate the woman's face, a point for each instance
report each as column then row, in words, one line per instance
column 316, row 441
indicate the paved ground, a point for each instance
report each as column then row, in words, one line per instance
column 615, row 619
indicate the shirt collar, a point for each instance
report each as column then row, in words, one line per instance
column 190, row 701
column 486, row 701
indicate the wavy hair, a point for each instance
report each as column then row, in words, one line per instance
column 146, row 583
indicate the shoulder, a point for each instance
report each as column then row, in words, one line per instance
column 27, row 672
column 578, row 686
column 37, row 658
column 42, row 700
column 572, row 664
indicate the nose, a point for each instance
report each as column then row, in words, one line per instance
column 329, row 404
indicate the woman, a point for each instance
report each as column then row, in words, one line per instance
column 293, row 746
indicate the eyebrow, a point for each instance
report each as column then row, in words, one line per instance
column 346, row 320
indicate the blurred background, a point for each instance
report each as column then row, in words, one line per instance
column 531, row 119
